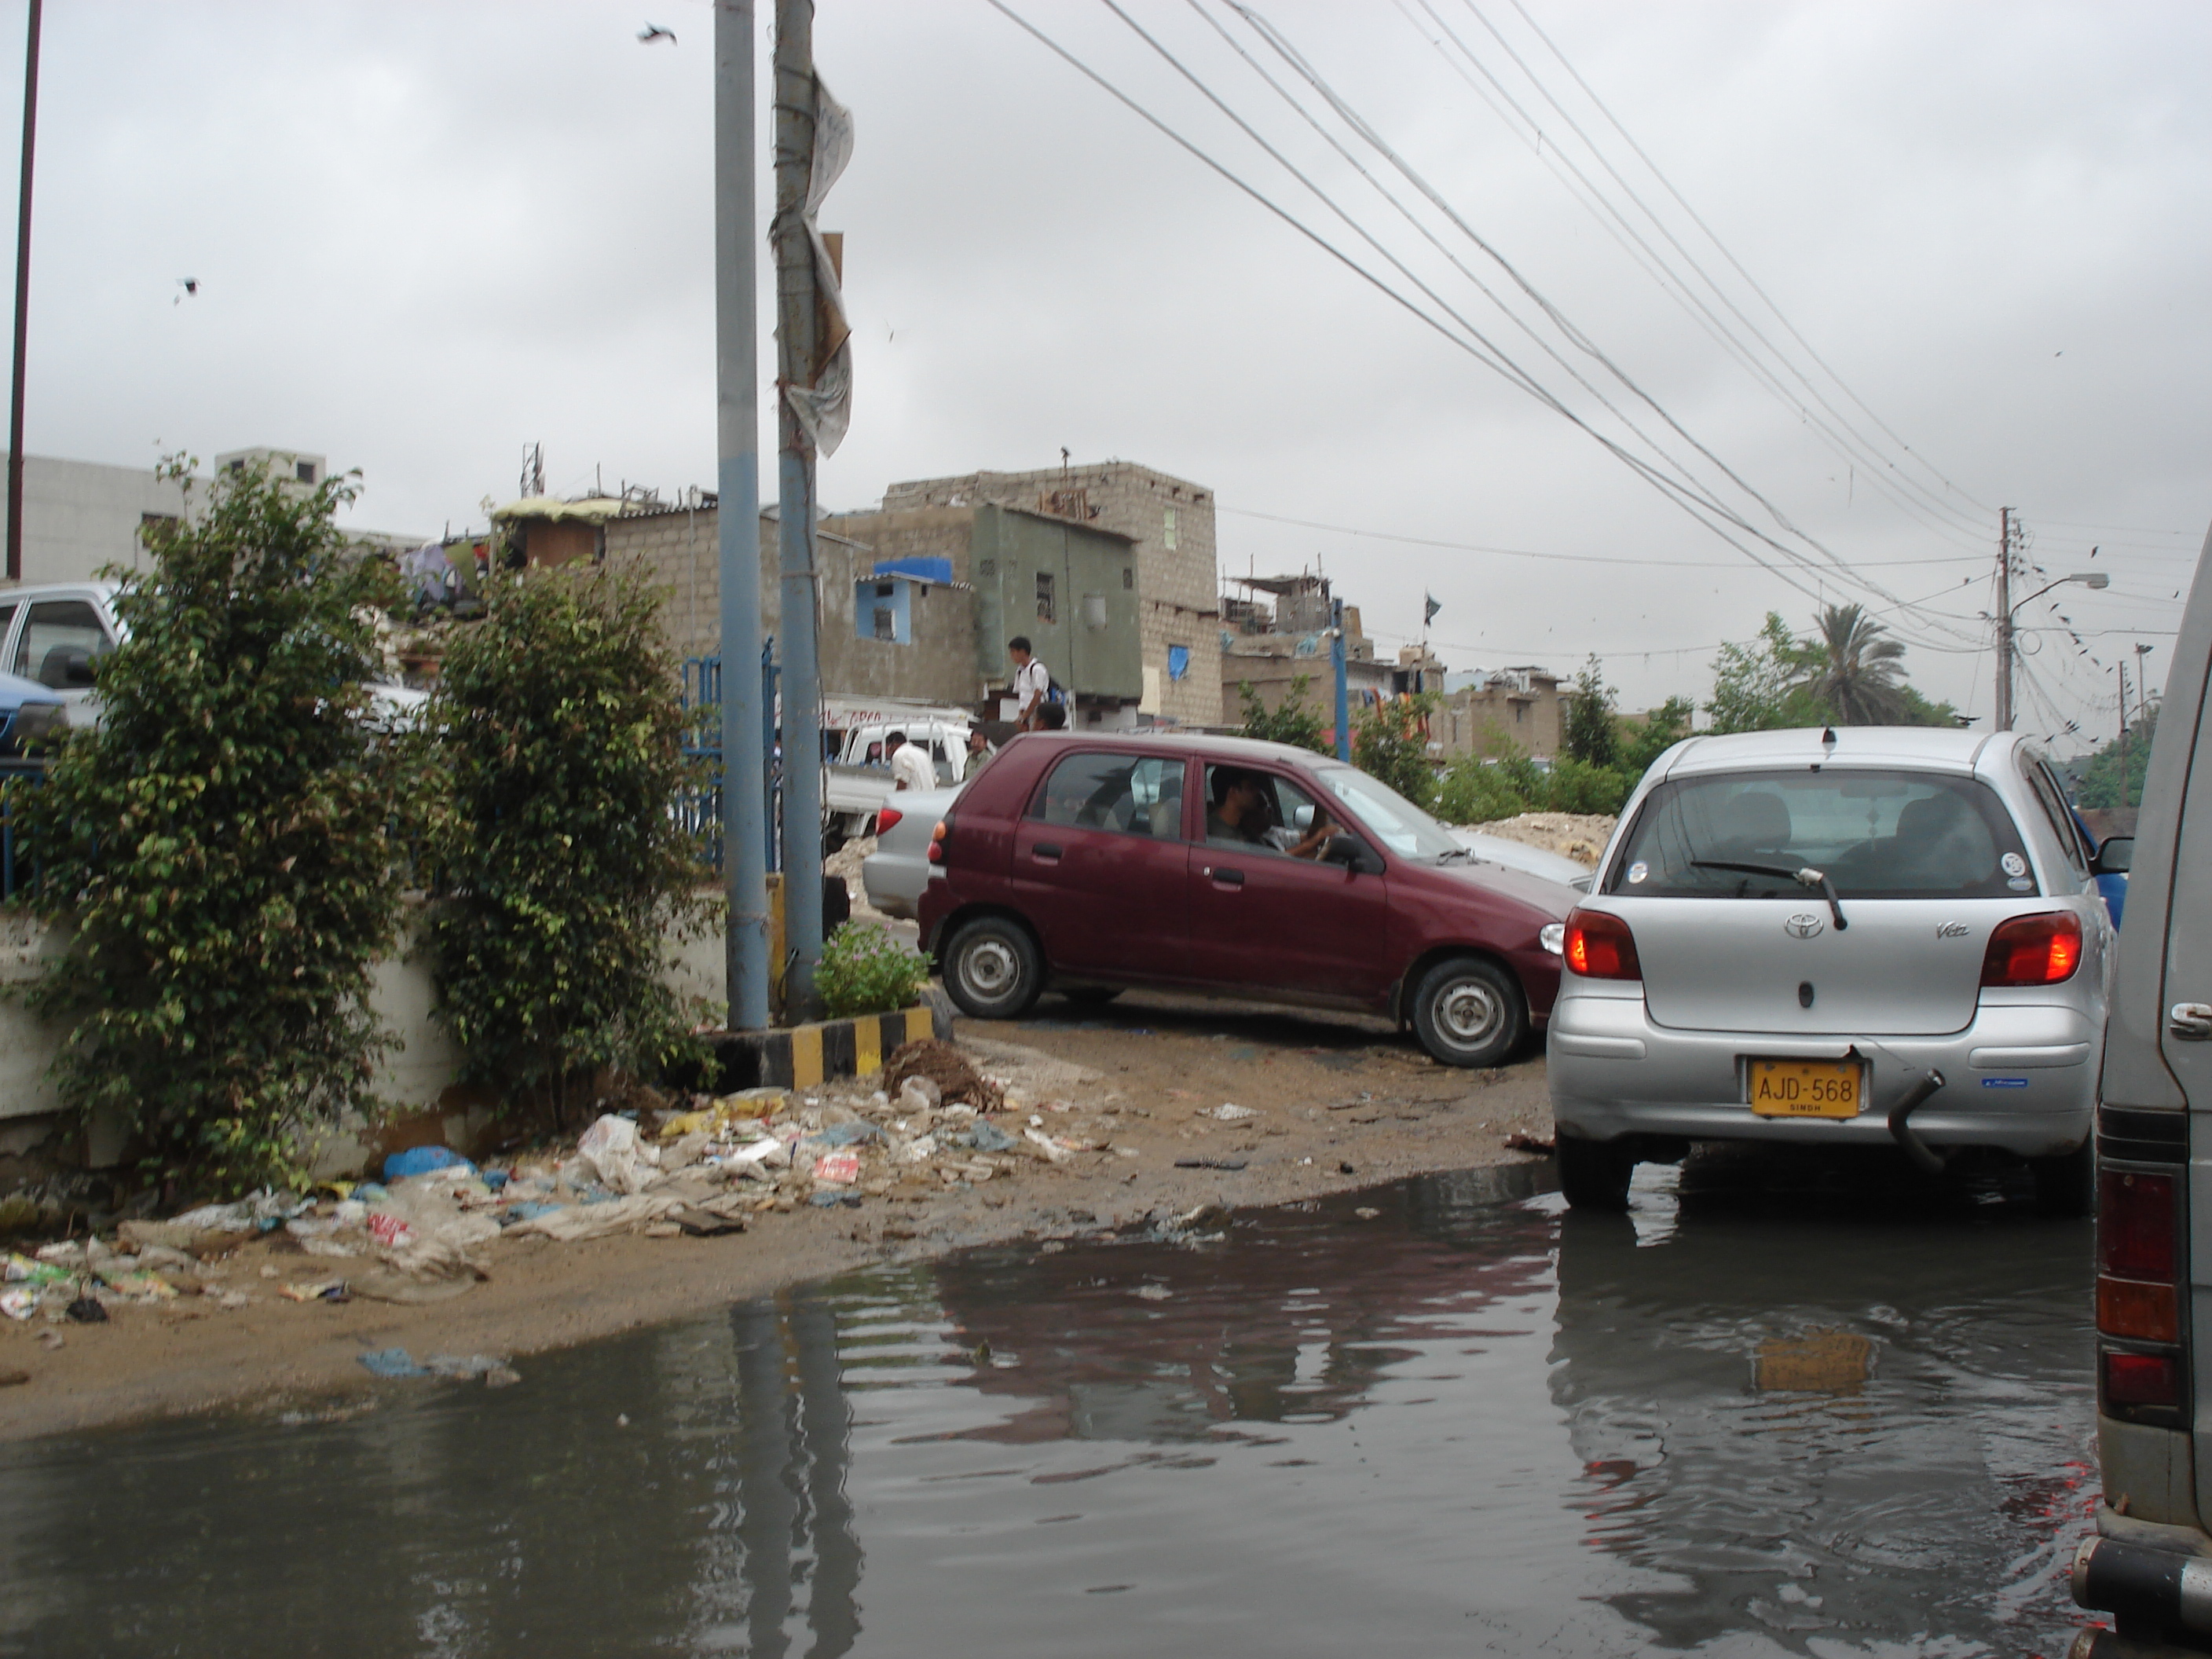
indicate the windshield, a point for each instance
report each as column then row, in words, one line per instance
column 1875, row 834
column 1388, row 816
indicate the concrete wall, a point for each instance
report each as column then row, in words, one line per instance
column 1484, row 719
column 415, row 1076
column 80, row 515
column 1177, row 587
column 681, row 552
column 1091, row 643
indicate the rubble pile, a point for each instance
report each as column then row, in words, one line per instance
column 1578, row 835
column 431, row 1228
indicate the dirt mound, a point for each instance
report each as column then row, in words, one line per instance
column 1578, row 835
column 944, row 1064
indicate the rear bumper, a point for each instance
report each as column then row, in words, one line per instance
column 2158, row 1589
column 2021, row 1079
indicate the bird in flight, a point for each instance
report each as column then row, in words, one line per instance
column 653, row 32
column 189, row 284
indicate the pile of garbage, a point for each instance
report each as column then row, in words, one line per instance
column 425, row 1232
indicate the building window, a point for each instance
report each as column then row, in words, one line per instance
column 304, row 470
column 1044, row 597
column 1167, row 534
column 237, row 467
column 153, row 525
column 1129, row 578
column 987, row 568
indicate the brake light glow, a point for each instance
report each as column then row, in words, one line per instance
column 886, row 816
column 2142, row 1379
column 1600, row 946
column 2039, row 949
column 937, row 843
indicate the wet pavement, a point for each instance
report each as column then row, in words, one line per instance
column 1775, row 1411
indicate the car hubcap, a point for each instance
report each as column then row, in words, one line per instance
column 1469, row 1013
column 989, row 969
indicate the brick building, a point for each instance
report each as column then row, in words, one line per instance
column 1519, row 706
column 1168, row 525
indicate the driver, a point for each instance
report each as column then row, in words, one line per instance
column 1240, row 813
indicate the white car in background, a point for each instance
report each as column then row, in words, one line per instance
column 1519, row 856
column 897, row 872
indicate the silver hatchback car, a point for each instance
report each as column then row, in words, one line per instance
column 1850, row 937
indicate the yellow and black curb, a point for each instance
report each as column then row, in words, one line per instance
column 800, row 1056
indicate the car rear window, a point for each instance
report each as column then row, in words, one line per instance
column 1875, row 834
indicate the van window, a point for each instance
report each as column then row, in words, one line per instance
column 1876, row 835
column 51, row 625
column 1133, row 794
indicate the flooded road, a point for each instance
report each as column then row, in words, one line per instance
column 1765, row 1418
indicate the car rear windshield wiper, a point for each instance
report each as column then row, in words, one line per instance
column 1451, row 853
column 1804, row 877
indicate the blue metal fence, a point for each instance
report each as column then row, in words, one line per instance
column 701, row 808
column 17, row 869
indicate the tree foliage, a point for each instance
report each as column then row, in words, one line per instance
column 1852, row 669
column 2113, row 775
column 864, row 970
column 219, row 848
column 1292, row 723
column 1643, row 741
column 1479, row 791
column 1390, row 741
column 561, row 870
column 1590, row 734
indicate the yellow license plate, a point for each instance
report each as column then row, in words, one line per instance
column 1806, row 1088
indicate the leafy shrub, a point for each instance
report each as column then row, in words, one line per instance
column 866, row 971
column 561, row 870
column 1292, row 723
column 1390, row 741
column 1476, row 791
column 219, row 848
column 1577, row 786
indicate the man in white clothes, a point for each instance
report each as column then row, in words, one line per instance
column 1032, row 686
column 910, row 767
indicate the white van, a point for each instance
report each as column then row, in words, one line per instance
column 2149, row 1562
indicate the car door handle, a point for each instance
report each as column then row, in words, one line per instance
column 1227, row 877
column 2190, row 1021
column 1045, row 852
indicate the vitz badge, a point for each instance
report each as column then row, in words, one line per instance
column 1953, row 930
column 1803, row 925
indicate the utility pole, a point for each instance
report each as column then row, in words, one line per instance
column 798, row 339
column 737, row 430
column 2004, row 619
column 1343, row 694
column 2121, row 669
column 22, row 301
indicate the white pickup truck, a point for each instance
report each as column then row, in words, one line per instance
column 857, row 780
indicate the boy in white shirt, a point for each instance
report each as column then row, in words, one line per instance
column 1032, row 686
column 910, row 767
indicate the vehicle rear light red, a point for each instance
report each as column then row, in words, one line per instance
column 937, row 843
column 2142, row 1379
column 1600, row 946
column 2146, row 1313
column 2135, row 1225
column 886, row 816
column 2039, row 950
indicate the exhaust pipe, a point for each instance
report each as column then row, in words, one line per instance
column 2145, row 1588
column 1915, row 1148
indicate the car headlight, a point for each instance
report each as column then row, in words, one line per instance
column 1552, row 936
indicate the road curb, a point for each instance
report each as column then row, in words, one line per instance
column 801, row 1056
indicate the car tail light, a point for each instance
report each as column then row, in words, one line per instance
column 1600, row 946
column 886, row 816
column 2039, row 950
column 937, row 842
column 2142, row 1379
column 2138, row 1290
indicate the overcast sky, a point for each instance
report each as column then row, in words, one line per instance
column 427, row 235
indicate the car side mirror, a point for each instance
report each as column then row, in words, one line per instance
column 65, row 668
column 2115, row 858
column 1350, row 852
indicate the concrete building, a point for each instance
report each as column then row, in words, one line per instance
column 1269, row 643
column 79, row 516
column 1520, row 705
column 1168, row 526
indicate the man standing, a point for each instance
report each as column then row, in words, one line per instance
column 1032, row 686
column 910, row 767
column 979, row 750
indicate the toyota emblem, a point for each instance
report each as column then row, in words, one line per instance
column 1803, row 925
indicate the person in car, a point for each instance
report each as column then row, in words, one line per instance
column 1240, row 813
column 911, row 768
column 979, row 750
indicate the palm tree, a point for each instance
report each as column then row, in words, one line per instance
column 1851, row 670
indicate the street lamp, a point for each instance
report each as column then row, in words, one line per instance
column 2085, row 579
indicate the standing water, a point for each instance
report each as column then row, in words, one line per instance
column 1469, row 1423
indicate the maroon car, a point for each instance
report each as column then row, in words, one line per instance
column 1096, row 862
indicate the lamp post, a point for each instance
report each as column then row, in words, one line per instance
column 2005, row 629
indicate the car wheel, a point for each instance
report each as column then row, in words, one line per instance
column 1468, row 1011
column 992, row 969
column 2066, row 1185
column 1091, row 996
column 1594, row 1174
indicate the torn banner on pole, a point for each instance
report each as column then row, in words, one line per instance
column 825, row 407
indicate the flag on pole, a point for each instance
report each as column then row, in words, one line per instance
column 1429, row 608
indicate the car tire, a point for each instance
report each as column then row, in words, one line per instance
column 1594, row 1174
column 992, row 969
column 1468, row 1012
column 1091, row 996
column 2066, row 1185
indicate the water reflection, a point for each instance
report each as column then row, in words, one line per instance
column 1469, row 1423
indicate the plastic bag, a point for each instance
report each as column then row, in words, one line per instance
column 611, row 1148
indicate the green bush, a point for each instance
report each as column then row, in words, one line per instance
column 1390, row 741
column 1577, row 786
column 561, row 871
column 219, row 848
column 866, row 971
column 1477, row 791
column 1292, row 723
